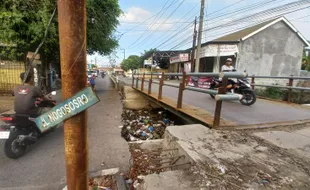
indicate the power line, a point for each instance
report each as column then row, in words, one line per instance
column 243, row 9
column 287, row 6
column 273, row 10
column 177, row 33
column 154, row 23
column 156, row 18
column 155, row 15
column 212, row 13
column 172, row 13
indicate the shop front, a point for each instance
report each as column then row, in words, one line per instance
column 178, row 63
column 213, row 56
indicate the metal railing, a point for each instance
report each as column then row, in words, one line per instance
column 289, row 85
column 220, row 94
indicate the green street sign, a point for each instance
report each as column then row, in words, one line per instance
column 72, row 106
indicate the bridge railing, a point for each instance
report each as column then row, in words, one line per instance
column 290, row 84
column 220, row 94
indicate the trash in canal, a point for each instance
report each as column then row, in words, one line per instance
column 144, row 124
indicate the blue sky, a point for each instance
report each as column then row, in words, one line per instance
column 168, row 24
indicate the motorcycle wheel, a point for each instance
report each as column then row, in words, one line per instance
column 249, row 98
column 12, row 149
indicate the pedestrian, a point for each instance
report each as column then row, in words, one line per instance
column 92, row 81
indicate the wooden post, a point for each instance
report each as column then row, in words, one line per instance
column 133, row 80
column 252, row 83
column 181, row 90
column 218, row 107
column 161, row 84
column 142, row 82
column 137, row 82
column 290, row 84
column 150, row 84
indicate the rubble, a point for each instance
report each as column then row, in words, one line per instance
column 144, row 124
column 105, row 183
column 143, row 162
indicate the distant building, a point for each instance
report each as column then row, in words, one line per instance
column 118, row 71
column 272, row 48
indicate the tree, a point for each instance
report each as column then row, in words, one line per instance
column 23, row 23
column 132, row 62
column 101, row 24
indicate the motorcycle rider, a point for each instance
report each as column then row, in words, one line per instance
column 26, row 95
column 229, row 68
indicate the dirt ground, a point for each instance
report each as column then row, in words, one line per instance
column 244, row 161
column 6, row 103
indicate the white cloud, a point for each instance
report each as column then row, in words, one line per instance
column 135, row 14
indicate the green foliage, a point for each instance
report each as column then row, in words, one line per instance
column 132, row 62
column 275, row 93
column 24, row 22
column 101, row 24
column 305, row 62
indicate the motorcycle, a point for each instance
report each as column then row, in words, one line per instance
column 243, row 87
column 20, row 130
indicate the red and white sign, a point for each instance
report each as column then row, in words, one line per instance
column 183, row 57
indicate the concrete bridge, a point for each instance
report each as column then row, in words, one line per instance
column 201, row 108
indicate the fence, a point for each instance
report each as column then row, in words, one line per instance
column 10, row 74
column 290, row 84
column 220, row 94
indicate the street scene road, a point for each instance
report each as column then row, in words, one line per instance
column 263, row 111
column 171, row 137
column 43, row 165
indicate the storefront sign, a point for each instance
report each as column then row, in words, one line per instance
column 183, row 57
column 214, row 50
column 148, row 62
column 78, row 103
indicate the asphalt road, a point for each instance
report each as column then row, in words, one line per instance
column 43, row 166
column 263, row 111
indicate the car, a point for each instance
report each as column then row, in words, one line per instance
column 94, row 73
column 89, row 74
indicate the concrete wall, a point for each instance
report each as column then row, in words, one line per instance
column 275, row 51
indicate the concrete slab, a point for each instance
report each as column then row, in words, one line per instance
column 297, row 141
column 239, row 160
column 172, row 180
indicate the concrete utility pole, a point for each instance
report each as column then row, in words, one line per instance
column 202, row 8
column 194, row 46
column 72, row 36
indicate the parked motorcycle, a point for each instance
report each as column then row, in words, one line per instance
column 243, row 87
column 20, row 131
